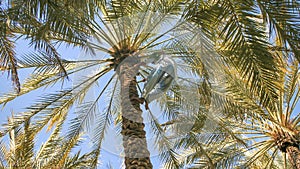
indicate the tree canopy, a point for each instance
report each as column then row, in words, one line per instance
column 233, row 103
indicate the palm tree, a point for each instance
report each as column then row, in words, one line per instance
column 258, row 136
column 128, row 32
column 22, row 152
column 242, row 31
column 279, row 133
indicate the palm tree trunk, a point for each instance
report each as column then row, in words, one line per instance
column 136, row 152
column 294, row 156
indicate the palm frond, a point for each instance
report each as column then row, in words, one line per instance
column 102, row 121
column 51, row 105
column 243, row 44
column 52, row 147
column 7, row 51
column 292, row 90
column 282, row 18
column 164, row 144
column 46, row 73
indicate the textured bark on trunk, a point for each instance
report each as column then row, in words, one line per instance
column 294, row 156
column 136, row 152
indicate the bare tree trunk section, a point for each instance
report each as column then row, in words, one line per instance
column 136, row 152
column 294, row 156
